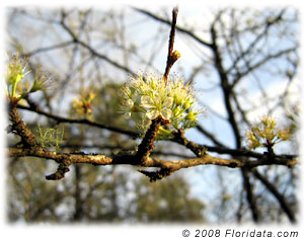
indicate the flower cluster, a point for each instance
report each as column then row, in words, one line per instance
column 146, row 97
column 266, row 134
column 82, row 105
column 17, row 86
column 16, row 71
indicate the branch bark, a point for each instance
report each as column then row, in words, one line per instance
column 102, row 160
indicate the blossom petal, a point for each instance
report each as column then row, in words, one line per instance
column 166, row 113
column 147, row 102
column 152, row 114
column 168, row 102
column 129, row 103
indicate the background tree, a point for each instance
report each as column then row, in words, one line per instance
column 242, row 64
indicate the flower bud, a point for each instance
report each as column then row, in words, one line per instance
column 175, row 55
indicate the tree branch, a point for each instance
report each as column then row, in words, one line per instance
column 44, row 49
column 251, row 199
column 226, row 88
column 130, row 159
column 176, row 139
column 18, row 127
column 60, row 119
column 171, row 58
column 254, row 42
column 187, row 32
column 263, row 61
column 280, row 198
column 147, row 144
column 76, row 40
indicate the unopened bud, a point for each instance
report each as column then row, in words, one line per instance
column 175, row 55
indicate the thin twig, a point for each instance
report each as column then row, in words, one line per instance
column 171, row 58
column 180, row 29
column 60, row 119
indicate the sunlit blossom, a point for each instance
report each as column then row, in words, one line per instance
column 82, row 105
column 266, row 133
column 16, row 71
column 146, row 97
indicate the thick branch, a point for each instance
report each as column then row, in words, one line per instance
column 19, row 127
column 147, row 145
column 101, row 159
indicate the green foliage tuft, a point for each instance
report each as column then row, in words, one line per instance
column 50, row 137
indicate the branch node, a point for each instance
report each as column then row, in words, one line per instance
column 156, row 175
column 59, row 174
